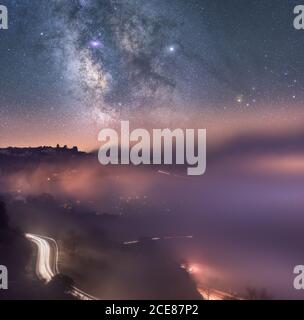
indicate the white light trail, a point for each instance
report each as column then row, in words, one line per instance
column 44, row 269
column 158, row 239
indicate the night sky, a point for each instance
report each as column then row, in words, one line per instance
column 70, row 67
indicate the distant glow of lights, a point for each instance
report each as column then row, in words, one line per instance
column 193, row 269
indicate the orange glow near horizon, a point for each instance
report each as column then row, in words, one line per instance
column 84, row 133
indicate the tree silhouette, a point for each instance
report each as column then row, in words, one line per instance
column 256, row 294
column 4, row 220
column 61, row 283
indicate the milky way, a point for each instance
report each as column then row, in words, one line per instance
column 114, row 52
column 67, row 63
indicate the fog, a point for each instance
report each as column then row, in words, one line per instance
column 244, row 216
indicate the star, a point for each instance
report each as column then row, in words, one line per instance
column 95, row 44
column 171, row 49
column 239, row 98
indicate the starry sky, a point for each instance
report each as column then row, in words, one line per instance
column 70, row 67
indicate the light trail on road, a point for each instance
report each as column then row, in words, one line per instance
column 132, row 242
column 43, row 268
column 46, row 270
column 47, row 266
column 204, row 290
column 215, row 295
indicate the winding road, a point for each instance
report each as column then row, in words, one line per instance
column 47, row 262
column 48, row 256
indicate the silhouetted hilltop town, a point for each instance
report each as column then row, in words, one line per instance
column 13, row 159
column 43, row 150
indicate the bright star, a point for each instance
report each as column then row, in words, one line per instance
column 95, row 44
column 171, row 49
column 239, row 98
